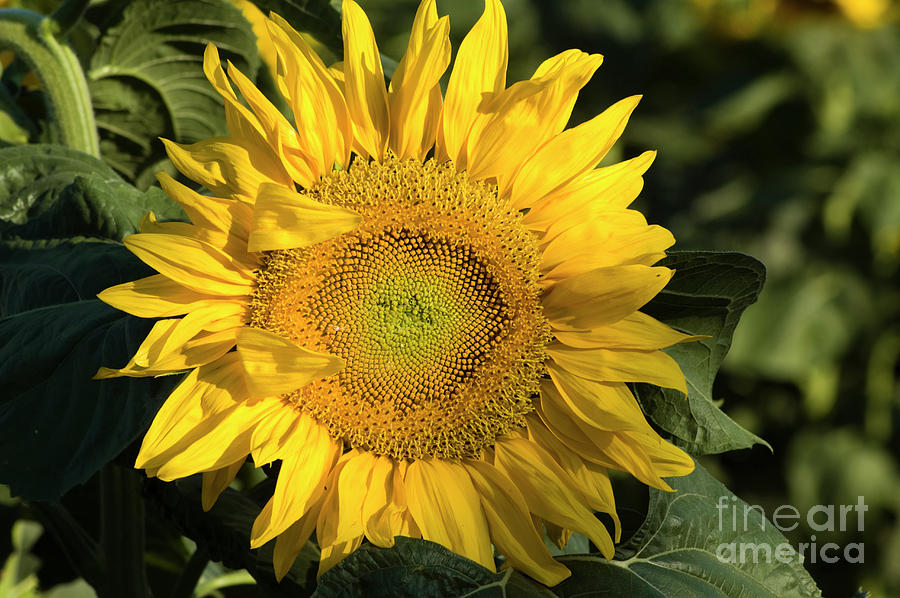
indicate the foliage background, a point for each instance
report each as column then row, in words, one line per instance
column 778, row 130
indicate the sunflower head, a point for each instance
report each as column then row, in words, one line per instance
column 424, row 304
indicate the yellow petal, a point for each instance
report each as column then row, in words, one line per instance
column 596, row 489
column 522, row 118
column 279, row 134
column 603, row 296
column 301, row 482
column 364, row 81
column 601, row 190
column 644, row 246
column 571, row 153
column 258, row 22
column 149, row 224
column 549, row 490
column 272, row 437
column 332, row 554
column 576, row 68
column 329, row 518
column 636, row 331
column 191, row 263
column 611, row 365
column 228, row 168
column 382, row 525
column 558, row 535
column 284, row 219
column 668, row 460
column 446, row 507
column 178, row 344
column 624, row 450
column 225, row 440
column 154, row 297
column 274, row 365
column 479, row 71
column 629, row 455
column 215, row 482
column 183, row 410
column 379, row 505
column 414, row 107
column 291, row 541
column 213, row 214
column 316, row 100
column 602, row 225
column 242, row 124
column 263, row 130
column 270, row 118
column 217, row 438
column 341, row 518
column 568, row 427
column 607, row 406
column 510, row 524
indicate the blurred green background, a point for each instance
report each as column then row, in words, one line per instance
column 778, row 130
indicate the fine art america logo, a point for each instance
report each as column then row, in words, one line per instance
column 739, row 518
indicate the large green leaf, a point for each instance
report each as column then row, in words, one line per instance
column 706, row 296
column 146, row 77
column 685, row 548
column 420, row 569
column 59, row 426
column 37, row 274
column 49, row 191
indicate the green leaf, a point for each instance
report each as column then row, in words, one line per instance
column 420, row 569
column 224, row 532
column 146, row 77
column 317, row 18
column 705, row 297
column 33, row 175
column 50, row 191
column 60, row 426
column 684, row 548
column 36, row 274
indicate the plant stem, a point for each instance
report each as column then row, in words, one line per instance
column 122, row 534
column 37, row 39
column 80, row 549
column 190, row 575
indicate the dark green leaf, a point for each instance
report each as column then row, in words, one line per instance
column 318, row 18
column 146, row 78
column 60, row 426
column 50, row 191
column 684, row 548
column 35, row 274
column 706, row 296
column 33, row 176
column 420, row 569
column 224, row 532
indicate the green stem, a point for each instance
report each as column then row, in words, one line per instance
column 37, row 39
column 80, row 549
column 190, row 576
column 122, row 533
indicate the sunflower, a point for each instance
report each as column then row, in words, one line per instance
column 424, row 307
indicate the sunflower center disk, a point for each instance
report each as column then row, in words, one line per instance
column 432, row 301
column 419, row 316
